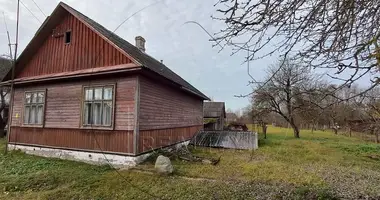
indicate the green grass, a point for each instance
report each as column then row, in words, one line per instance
column 316, row 166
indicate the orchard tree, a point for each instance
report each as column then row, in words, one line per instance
column 286, row 83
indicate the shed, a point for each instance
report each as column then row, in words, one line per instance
column 214, row 114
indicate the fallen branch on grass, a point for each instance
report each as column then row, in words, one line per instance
column 183, row 153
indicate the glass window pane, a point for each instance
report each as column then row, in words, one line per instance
column 96, row 113
column 107, row 113
column 32, row 115
column 87, row 113
column 27, row 97
column 39, row 114
column 98, row 93
column 26, row 115
column 41, row 97
column 107, row 93
column 34, row 97
column 88, row 93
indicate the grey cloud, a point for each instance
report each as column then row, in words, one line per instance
column 186, row 49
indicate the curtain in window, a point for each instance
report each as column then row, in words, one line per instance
column 98, row 103
column 97, row 113
column 34, row 108
column 32, row 115
column 107, row 113
column 26, row 115
column 87, row 113
column 39, row 114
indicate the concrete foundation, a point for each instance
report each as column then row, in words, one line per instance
column 118, row 161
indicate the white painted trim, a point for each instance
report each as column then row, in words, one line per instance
column 118, row 161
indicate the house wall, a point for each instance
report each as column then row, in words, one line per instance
column 63, row 117
column 86, row 50
column 166, row 115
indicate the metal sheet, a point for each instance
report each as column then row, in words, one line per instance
column 225, row 139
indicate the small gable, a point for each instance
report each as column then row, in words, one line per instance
column 68, row 45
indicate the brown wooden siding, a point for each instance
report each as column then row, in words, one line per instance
column 108, row 141
column 163, row 107
column 153, row 139
column 63, row 103
column 86, row 50
column 166, row 115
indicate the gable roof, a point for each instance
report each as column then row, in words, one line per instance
column 137, row 56
column 5, row 67
column 214, row 109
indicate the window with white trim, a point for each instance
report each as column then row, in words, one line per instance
column 98, row 104
column 34, row 107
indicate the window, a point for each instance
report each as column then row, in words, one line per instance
column 34, row 108
column 68, row 37
column 98, row 106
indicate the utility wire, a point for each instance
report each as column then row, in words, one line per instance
column 94, row 134
column 30, row 12
column 9, row 38
column 152, row 4
column 39, row 8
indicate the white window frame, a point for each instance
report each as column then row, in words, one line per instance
column 35, row 104
column 91, row 125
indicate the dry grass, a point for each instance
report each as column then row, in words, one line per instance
column 317, row 161
column 317, row 166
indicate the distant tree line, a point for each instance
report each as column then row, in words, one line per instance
column 294, row 96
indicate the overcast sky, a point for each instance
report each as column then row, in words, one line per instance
column 185, row 48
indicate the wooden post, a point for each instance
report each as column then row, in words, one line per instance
column 12, row 81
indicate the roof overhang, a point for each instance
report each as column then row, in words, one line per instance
column 77, row 74
column 151, row 74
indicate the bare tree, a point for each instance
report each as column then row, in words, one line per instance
column 5, row 65
column 343, row 35
column 260, row 115
column 285, row 85
column 370, row 104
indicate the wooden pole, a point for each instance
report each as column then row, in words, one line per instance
column 12, row 79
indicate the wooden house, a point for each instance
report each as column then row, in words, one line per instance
column 214, row 114
column 82, row 92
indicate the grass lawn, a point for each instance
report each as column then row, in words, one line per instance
column 317, row 166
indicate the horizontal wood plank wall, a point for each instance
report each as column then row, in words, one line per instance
column 86, row 50
column 167, row 115
column 63, row 103
column 109, row 141
column 166, row 107
column 153, row 139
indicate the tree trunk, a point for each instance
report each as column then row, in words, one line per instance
column 335, row 131
column 296, row 131
column 2, row 133
column 2, row 126
column 264, row 126
column 349, row 131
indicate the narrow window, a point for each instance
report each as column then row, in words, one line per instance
column 34, row 106
column 68, row 37
column 98, row 106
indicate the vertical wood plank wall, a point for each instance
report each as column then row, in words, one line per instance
column 62, row 118
column 86, row 50
column 167, row 115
